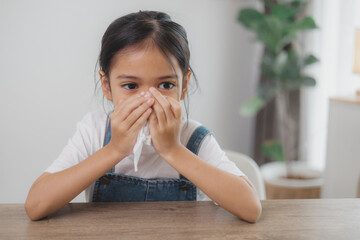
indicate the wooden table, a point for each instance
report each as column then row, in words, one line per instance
column 281, row 219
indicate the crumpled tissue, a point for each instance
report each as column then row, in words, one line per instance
column 144, row 137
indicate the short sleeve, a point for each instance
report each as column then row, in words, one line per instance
column 88, row 138
column 211, row 152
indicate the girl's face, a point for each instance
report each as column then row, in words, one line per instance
column 136, row 69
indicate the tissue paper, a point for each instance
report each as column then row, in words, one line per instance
column 143, row 138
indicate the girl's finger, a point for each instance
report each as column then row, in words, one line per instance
column 160, row 115
column 127, row 106
column 141, row 120
column 122, row 102
column 137, row 113
column 152, row 121
column 164, row 103
column 175, row 107
column 116, row 107
column 152, row 124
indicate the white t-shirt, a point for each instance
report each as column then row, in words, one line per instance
column 89, row 138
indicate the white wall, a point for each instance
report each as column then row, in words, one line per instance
column 347, row 81
column 48, row 50
column 333, row 44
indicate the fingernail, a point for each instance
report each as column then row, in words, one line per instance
column 152, row 89
column 149, row 110
column 150, row 101
column 142, row 93
column 147, row 95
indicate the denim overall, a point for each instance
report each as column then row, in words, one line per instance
column 116, row 187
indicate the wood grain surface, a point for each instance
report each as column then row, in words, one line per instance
column 281, row 219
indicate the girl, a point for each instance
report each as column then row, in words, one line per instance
column 144, row 72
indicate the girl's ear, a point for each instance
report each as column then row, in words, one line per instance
column 185, row 87
column 105, row 85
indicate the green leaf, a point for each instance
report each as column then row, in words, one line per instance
column 310, row 59
column 282, row 12
column 280, row 63
column 270, row 33
column 306, row 23
column 252, row 106
column 251, row 18
column 273, row 150
column 267, row 63
column 294, row 84
column 286, row 39
column 282, row 2
column 292, row 69
column 308, row 81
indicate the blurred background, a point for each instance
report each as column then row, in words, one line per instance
column 49, row 49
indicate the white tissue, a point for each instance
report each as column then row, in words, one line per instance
column 143, row 137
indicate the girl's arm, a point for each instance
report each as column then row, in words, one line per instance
column 50, row 192
column 235, row 194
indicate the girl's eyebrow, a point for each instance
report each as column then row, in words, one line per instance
column 138, row 78
column 169, row 76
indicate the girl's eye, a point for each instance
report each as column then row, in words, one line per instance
column 166, row 85
column 129, row 86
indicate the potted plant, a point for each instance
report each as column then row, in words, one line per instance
column 277, row 28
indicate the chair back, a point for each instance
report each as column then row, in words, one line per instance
column 250, row 168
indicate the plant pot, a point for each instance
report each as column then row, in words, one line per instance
column 279, row 187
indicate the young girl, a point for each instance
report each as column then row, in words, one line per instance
column 144, row 72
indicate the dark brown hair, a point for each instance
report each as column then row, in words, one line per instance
column 137, row 28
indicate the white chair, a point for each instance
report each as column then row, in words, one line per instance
column 250, row 168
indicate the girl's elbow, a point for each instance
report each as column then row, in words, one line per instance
column 252, row 213
column 255, row 213
column 30, row 210
column 34, row 210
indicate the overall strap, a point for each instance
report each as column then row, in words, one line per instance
column 107, row 132
column 108, row 137
column 196, row 140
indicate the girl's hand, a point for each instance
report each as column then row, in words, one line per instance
column 165, row 124
column 126, row 121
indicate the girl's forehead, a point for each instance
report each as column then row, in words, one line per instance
column 148, row 58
